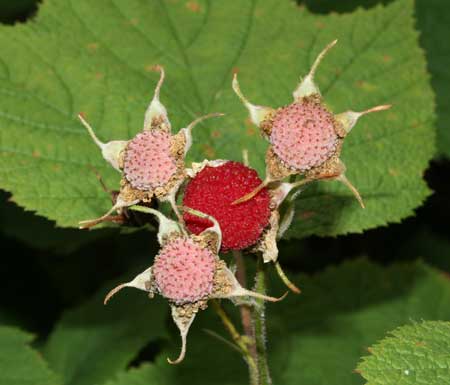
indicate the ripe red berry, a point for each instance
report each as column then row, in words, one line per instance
column 214, row 189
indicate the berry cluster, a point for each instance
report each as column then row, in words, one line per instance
column 225, row 205
column 188, row 272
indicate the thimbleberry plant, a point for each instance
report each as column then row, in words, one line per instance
column 205, row 218
column 226, row 206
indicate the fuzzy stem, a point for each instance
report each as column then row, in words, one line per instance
column 240, row 341
column 246, row 315
column 259, row 324
column 246, row 319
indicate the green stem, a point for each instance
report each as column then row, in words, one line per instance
column 259, row 325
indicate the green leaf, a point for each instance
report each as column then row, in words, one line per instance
column 41, row 233
column 146, row 374
column 208, row 360
column 93, row 342
column 433, row 20
column 431, row 247
column 411, row 355
column 319, row 336
column 95, row 57
column 20, row 364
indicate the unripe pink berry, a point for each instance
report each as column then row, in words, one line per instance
column 303, row 135
column 148, row 162
column 184, row 271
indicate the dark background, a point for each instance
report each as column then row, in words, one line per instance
column 59, row 268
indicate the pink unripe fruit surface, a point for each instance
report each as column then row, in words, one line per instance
column 148, row 162
column 184, row 271
column 303, row 135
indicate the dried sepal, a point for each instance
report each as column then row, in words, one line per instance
column 307, row 86
column 288, row 216
column 343, row 179
column 267, row 245
column 120, row 204
column 183, row 316
column 143, row 281
column 333, row 170
column 271, row 178
column 285, row 279
column 258, row 114
column 156, row 113
column 187, row 131
column 348, row 119
column 197, row 167
column 286, row 221
column 280, row 192
column 171, row 197
column 215, row 229
column 253, row 193
column 166, row 227
column 227, row 286
column 111, row 151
